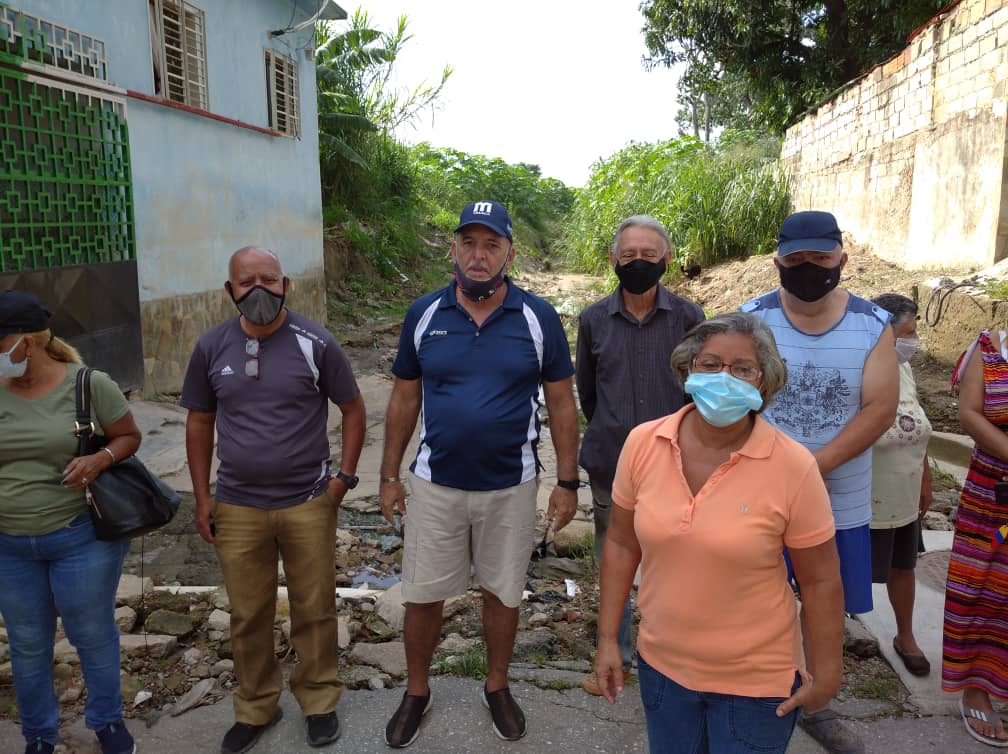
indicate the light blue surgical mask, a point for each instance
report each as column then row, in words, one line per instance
column 8, row 369
column 722, row 399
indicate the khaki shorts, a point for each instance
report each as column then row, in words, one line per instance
column 447, row 529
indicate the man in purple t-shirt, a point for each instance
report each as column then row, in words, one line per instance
column 265, row 379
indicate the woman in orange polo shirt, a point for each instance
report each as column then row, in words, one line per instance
column 706, row 500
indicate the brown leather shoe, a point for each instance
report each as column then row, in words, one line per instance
column 916, row 664
column 590, row 683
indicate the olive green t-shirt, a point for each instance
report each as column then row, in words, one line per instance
column 36, row 444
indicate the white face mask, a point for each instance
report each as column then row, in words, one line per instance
column 8, row 369
column 905, row 348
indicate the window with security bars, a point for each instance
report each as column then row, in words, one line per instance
column 65, row 191
column 283, row 94
column 24, row 37
column 178, row 39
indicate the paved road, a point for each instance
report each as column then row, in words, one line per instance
column 559, row 721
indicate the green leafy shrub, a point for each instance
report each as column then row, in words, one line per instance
column 450, row 179
column 718, row 202
column 383, row 197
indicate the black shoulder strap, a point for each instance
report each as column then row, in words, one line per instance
column 83, row 426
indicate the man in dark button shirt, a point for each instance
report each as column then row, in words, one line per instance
column 265, row 379
column 623, row 373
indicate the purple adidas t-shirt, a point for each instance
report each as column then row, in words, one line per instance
column 271, row 430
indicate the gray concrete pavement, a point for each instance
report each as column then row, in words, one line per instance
column 567, row 721
column 559, row 721
column 929, row 608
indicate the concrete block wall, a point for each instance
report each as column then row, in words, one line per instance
column 911, row 157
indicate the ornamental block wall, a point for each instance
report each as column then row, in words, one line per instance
column 911, row 157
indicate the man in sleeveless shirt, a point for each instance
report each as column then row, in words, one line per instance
column 841, row 396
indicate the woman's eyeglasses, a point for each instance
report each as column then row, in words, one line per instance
column 743, row 370
column 252, row 364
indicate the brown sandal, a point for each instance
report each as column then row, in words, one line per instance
column 916, row 664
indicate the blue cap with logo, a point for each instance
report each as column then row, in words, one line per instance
column 489, row 214
column 808, row 231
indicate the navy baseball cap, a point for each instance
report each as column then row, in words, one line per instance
column 490, row 214
column 21, row 311
column 808, row 231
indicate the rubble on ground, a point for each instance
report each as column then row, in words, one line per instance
column 176, row 648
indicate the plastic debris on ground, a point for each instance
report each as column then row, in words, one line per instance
column 373, row 578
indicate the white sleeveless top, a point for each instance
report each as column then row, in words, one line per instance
column 898, row 460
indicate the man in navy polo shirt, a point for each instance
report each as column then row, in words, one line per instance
column 472, row 356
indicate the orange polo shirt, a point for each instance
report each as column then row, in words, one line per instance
column 717, row 614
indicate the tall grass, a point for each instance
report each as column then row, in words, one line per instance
column 448, row 179
column 716, row 204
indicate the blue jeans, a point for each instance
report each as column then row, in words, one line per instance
column 71, row 572
column 602, row 505
column 681, row 721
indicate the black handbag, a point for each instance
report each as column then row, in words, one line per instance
column 125, row 500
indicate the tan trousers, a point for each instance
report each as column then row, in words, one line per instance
column 248, row 543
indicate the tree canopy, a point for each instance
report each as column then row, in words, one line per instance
column 761, row 63
column 353, row 72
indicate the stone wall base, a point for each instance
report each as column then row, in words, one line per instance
column 171, row 327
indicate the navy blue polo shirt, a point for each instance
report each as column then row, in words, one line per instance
column 480, row 386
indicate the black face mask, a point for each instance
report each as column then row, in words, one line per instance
column 259, row 305
column 640, row 275
column 808, row 281
column 479, row 290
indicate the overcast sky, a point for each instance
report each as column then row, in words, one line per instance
column 557, row 83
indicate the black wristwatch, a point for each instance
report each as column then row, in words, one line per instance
column 569, row 484
column 349, row 481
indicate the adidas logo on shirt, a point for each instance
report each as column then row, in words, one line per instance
column 226, row 371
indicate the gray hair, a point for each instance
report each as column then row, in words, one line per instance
column 770, row 361
column 641, row 221
column 900, row 307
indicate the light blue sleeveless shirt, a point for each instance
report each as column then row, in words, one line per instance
column 823, row 392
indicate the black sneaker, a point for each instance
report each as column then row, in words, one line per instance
column 322, row 729
column 243, row 736
column 115, row 739
column 508, row 719
column 404, row 727
column 38, row 746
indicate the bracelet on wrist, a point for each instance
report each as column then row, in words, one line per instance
column 111, row 454
column 390, row 479
column 569, row 484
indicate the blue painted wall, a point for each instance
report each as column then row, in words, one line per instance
column 203, row 188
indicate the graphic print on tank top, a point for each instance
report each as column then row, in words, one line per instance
column 812, row 402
